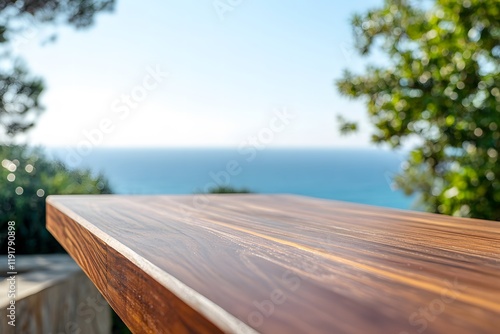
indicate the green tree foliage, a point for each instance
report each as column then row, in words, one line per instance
column 20, row 91
column 228, row 190
column 439, row 89
column 27, row 177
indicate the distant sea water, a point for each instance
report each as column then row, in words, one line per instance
column 353, row 175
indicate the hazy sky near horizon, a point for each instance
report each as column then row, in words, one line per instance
column 226, row 77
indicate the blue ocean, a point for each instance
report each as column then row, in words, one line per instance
column 353, row 175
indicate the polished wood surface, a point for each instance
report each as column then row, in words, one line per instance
column 282, row 264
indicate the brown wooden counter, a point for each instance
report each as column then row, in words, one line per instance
column 282, row 264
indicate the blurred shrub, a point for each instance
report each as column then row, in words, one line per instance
column 27, row 177
column 228, row 190
column 438, row 94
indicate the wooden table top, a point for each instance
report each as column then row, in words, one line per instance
column 282, row 264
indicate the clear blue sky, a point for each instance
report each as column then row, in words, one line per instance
column 226, row 76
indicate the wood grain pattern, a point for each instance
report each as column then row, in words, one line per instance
column 282, row 264
column 142, row 303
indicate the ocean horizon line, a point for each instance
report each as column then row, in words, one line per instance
column 226, row 148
